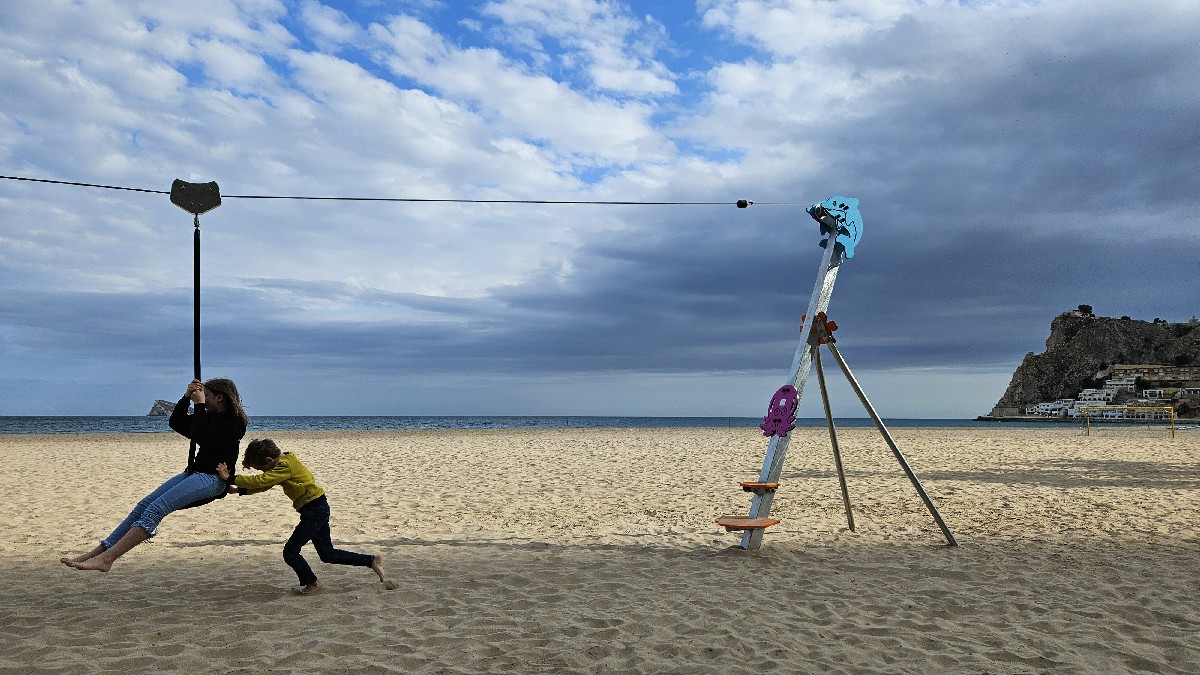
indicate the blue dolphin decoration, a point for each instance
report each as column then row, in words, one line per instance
column 839, row 214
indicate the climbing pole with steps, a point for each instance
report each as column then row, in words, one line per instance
column 841, row 224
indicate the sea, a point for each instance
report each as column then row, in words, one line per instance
column 158, row 424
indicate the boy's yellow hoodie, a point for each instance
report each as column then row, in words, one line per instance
column 296, row 479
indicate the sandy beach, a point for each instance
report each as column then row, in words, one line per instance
column 587, row 551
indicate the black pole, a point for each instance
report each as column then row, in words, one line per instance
column 195, row 325
column 195, row 198
column 196, row 298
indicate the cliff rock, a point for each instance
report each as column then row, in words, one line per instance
column 161, row 408
column 1082, row 346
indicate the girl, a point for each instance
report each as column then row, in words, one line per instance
column 217, row 425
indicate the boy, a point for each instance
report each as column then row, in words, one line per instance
column 280, row 468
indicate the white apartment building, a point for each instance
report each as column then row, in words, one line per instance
column 1120, row 384
column 1051, row 408
column 1090, row 398
column 1096, row 396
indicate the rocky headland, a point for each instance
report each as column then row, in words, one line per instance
column 1083, row 347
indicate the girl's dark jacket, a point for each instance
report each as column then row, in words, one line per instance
column 217, row 435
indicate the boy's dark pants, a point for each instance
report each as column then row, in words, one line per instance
column 314, row 527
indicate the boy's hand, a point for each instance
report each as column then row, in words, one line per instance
column 223, row 471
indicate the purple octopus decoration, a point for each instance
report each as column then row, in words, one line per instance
column 781, row 414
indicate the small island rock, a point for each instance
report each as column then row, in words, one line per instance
column 161, row 408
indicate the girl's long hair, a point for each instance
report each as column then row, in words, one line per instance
column 229, row 389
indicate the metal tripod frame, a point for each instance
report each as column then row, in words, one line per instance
column 842, row 225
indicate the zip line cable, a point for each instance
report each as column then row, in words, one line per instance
column 63, row 182
column 741, row 203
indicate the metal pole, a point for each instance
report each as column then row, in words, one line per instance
column 839, row 218
column 837, row 455
column 760, row 506
column 891, row 443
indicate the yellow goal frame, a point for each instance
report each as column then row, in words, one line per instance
column 1087, row 414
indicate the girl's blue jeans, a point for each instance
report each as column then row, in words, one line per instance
column 314, row 527
column 177, row 492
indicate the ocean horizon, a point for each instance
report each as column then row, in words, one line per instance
column 127, row 424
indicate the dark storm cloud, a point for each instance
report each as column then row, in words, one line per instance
column 1062, row 129
column 708, row 296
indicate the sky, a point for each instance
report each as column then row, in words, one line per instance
column 1013, row 160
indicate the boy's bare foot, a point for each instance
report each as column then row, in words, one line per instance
column 377, row 565
column 97, row 563
column 311, row 588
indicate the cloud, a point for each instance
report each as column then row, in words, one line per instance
column 329, row 28
column 614, row 50
column 522, row 103
column 1013, row 160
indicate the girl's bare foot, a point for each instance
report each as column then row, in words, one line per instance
column 103, row 562
column 83, row 556
column 311, row 588
column 98, row 563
